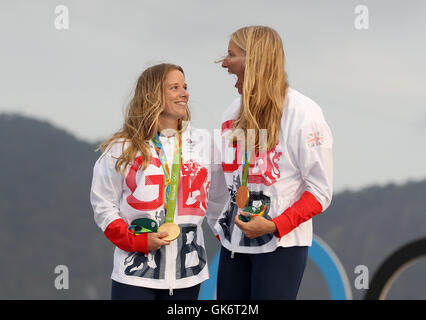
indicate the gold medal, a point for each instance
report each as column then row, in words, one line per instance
column 172, row 229
column 242, row 197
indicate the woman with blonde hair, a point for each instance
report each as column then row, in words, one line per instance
column 150, row 192
column 278, row 166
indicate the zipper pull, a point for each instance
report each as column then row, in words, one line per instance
column 232, row 254
column 171, row 291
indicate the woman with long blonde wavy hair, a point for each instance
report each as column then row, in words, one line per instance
column 149, row 192
column 280, row 176
column 143, row 115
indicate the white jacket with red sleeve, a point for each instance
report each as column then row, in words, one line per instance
column 294, row 180
column 117, row 200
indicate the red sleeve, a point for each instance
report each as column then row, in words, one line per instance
column 117, row 232
column 302, row 210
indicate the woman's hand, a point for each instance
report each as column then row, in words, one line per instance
column 256, row 227
column 155, row 242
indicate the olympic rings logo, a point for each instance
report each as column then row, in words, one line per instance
column 392, row 267
column 334, row 273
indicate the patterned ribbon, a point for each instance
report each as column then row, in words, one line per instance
column 171, row 179
column 246, row 168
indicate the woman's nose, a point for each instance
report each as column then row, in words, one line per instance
column 225, row 63
column 184, row 93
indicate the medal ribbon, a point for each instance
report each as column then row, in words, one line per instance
column 246, row 169
column 171, row 180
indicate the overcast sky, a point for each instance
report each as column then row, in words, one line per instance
column 369, row 82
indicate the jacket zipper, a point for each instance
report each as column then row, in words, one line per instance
column 171, row 266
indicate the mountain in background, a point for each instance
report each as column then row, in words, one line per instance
column 47, row 221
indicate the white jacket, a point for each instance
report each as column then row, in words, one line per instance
column 139, row 194
column 299, row 168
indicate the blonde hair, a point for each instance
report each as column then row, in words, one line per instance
column 265, row 82
column 141, row 120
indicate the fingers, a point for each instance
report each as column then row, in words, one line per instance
column 250, row 228
column 155, row 242
column 162, row 234
column 241, row 223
